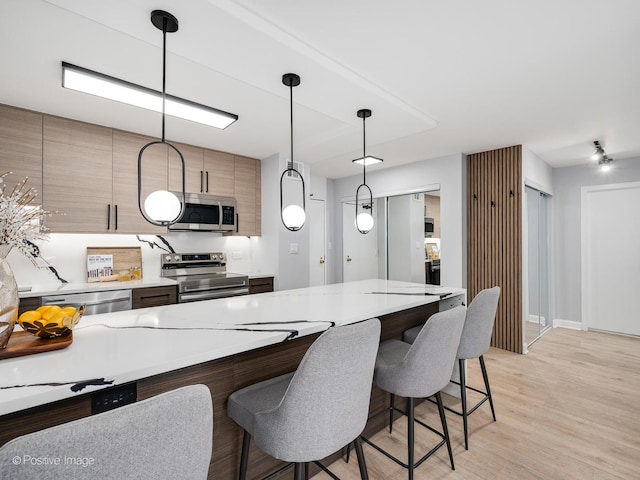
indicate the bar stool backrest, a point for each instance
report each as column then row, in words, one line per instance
column 166, row 436
column 478, row 327
column 327, row 402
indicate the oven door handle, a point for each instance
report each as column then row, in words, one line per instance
column 207, row 289
column 209, row 295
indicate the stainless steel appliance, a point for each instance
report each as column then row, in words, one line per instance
column 202, row 276
column 207, row 213
column 95, row 302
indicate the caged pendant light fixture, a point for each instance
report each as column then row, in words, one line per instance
column 293, row 216
column 364, row 220
column 162, row 208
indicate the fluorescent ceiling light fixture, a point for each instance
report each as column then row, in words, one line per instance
column 101, row 85
column 368, row 160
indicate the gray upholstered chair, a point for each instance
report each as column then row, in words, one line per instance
column 166, row 436
column 307, row 415
column 475, row 341
column 420, row 370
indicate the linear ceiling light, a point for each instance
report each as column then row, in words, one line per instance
column 101, row 85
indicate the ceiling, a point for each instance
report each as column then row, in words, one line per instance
column 440, row 77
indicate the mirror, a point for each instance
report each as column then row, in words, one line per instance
column 404, row 243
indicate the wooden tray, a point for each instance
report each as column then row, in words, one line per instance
column 23, row 343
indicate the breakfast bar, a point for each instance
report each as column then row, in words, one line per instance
column 225, row 344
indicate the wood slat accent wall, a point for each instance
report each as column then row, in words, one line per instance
column 495, row 237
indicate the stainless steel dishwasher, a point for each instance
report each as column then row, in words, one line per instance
column 95, row 302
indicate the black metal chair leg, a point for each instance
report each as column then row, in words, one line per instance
column 462, row 363
column 306, row 471
column 361, row 463
column 445, row 430
column 411, row 436
column 244, row 457
column 486, row 384
column 299, row 471
column 391, row 407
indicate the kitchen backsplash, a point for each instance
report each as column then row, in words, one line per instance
column 67, row 253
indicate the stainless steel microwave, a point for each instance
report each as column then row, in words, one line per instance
column 206, row 213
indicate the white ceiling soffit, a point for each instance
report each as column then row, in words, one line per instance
column 552, row 75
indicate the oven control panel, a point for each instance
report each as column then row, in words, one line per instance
column 194, row 259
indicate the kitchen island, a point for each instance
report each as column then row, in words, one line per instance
column 225, row 343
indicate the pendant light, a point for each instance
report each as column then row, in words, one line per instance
column 162, row 208
column 364, row 220
column 293, row 216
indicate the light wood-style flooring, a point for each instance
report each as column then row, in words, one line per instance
column 569, row 409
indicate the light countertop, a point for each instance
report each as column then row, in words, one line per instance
column 175, row 336
column 64, row 288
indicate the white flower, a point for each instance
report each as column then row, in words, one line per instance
column 20, row 223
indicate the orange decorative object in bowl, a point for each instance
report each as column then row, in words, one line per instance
column 50, row 321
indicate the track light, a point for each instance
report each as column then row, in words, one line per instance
column 599, row 155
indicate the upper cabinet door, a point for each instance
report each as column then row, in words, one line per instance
column 21, row 148
column 245, row 193
column 126, row 146
column 219, row 170
column 194, row 171
column 77, row 175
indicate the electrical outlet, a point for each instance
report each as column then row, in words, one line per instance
column 113, row 397
column 236, row 255
column 293, row 248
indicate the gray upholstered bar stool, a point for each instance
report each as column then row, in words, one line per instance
column 420, row 370
column 475, row 341
column 307, row 415
column 166, row 436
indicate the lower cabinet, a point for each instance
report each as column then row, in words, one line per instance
column 27, row 304
column 154, row 296
column 260, row 285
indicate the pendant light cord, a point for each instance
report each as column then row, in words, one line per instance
column 364, row 151
column 164, row 69
column 291, row 115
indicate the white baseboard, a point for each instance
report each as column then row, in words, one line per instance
column 558, row 322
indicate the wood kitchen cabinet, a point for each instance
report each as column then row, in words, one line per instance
column 154, row 296
column 246, row 178
column 260, row 285
column 21, row 148
column 206, row 171
column 91, row 175
column 77, row 170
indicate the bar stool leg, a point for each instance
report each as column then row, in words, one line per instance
column 391, row 408
column 360, row 455
column 445, row 430
column 244, row 457
column 411, row 436
column 299, row 471
column 486, row 384
column 462, row 363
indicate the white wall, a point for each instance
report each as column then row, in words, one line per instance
column 567, row 271
column 450, row 173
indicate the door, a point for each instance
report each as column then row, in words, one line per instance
column 538, row 318
column 317, row 249
column 360, row 252
column 611, row 259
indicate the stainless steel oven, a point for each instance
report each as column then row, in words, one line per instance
column 202, row 276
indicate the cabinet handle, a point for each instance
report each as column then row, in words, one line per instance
column 115, row 207
column 201, row 181
column 207, row 173
column 108, row 216
column 237, row 222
